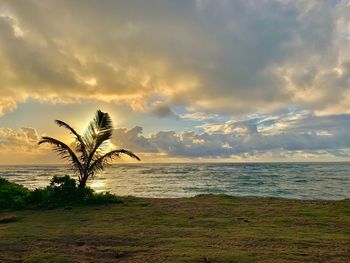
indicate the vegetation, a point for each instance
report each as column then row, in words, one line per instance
column 88, row 157
column 12, row 196
column 201, row 229
column 62, row 192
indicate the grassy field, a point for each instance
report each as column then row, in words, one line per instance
column 201, row 229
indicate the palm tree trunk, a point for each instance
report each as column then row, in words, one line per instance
column 82, row 181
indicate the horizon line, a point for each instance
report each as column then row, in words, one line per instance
column 248, row 162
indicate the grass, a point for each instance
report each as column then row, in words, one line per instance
column 205, row 228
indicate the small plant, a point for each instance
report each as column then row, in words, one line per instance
column 104, row 198
column 62, row 191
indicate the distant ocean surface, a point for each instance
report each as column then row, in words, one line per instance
column 327, row 181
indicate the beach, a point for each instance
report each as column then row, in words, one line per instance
column 205, row 228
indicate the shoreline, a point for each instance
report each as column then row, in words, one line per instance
column 299, row 181
column 179, row 197
column 182, row 163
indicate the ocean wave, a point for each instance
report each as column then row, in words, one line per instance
column 291, row 180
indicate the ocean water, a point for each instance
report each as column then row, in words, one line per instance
column 312, row 181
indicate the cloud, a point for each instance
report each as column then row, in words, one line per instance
column 200, row 116
column 307, row 135
column 25, row 140
column 227, row 57
column 21, row 146
column 132, row 139
column 295, row 135
column 162, row 110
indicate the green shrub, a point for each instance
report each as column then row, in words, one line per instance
column 62, row 192
column 12, row 196
column 103, row 198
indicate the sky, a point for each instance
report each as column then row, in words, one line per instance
column 184, row 81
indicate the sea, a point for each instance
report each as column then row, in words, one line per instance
column 306, row 181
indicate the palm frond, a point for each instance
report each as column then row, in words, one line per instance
column 99, row 131
column 64, row 151
column 81, row 146
column 99, row 163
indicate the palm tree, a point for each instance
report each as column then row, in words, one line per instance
column 87, row 157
